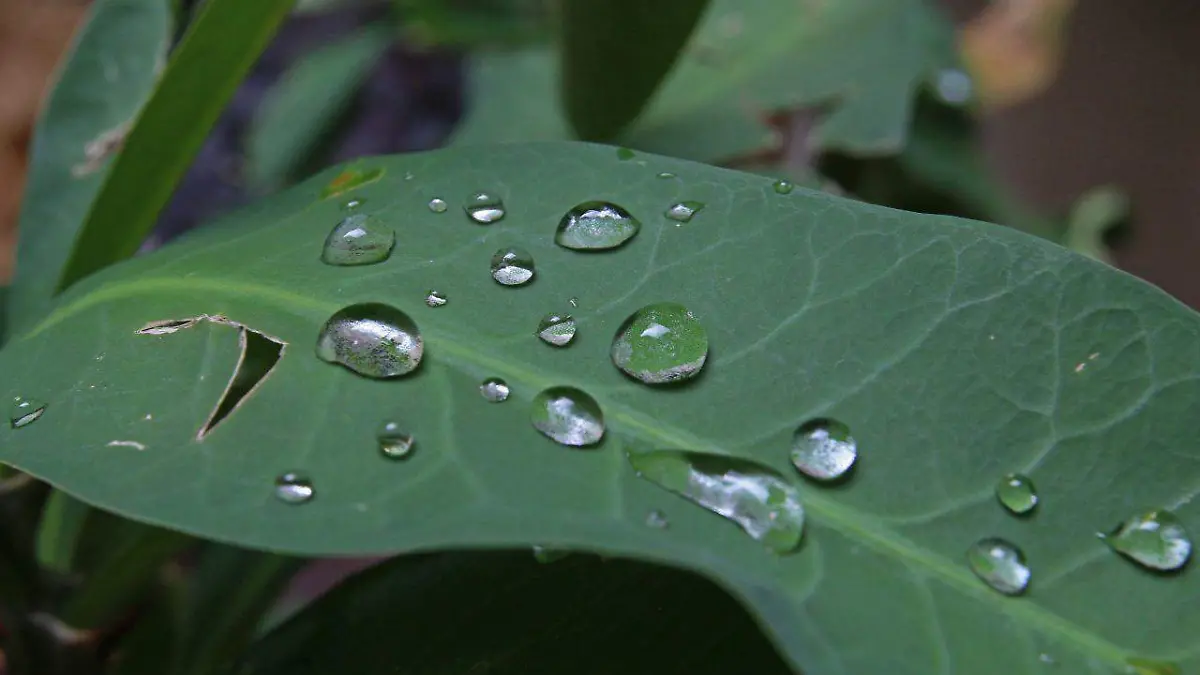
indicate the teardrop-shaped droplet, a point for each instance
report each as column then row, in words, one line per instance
column 755, row 497
column 1017, row 493
column 372, row 339
column 661, row 343
column 438, row 205
column 484, row 208
column 784, row 187
column 358, row 240
column 1139, row 666
column 494, row 390
column 1154, row 539
column 548, row 555
column 512, row 266
column 352, row 204
column 1000, row 565
column 394, row 441
column 25, row 411
column 682, row 212
column 568, row 416
column 436, row 298
column 294, row 488
column 658, row 520
column 557, row 329
column 824, row 449
column 596, row 226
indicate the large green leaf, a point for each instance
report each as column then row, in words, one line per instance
column 955, row 351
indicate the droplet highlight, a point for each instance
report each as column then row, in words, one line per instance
column 568, row 416
column 358, row 240
column 824, row 449
column 494, row 390
column 512, row 266
column 294, row 488
column 371, row 339
column 1017, row 493
column 661, row 343
column 665, row 175
column 484, row 208
column 596, row 226
column 438, row 205
column 25, row 411
column 436, row 298
column 394, row 441
column 1154, row 539
column 557, row 329
column 352, row 204
column 999, row 564
column 682, row 212
column 783, row 186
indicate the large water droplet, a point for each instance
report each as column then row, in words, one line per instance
column 294, row 488
column 595, row 226
column 1017, row 493
column 358, row 240
column 661, row 343
column 438, row 205
column 784, row 187
column 512, row 266
column 658, row 520
column 557, row 329
column 761, row 501
column 494, row 389
column 25, row 411
column 548, row 555
column 682, row 212
column 372, row 339
column 1000, row 565
column 436, row 298
column 394, row 441
column 484, row 208
column 1154, row 539
column 824, row 449
column 569, row 416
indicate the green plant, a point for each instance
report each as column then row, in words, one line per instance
column 742, row 333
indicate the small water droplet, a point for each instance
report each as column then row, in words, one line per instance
column 596, row 226
column 666, row 175
column 783, row 186
column 436, row 298
column 755, row 497
column 1139, row 666
column 658, row 520
column 1046, row 659
column 1000, row 565
column 568, row 416
column 358, row 240
column 661, row 343
column 1154, row 539
column 394, row 442
column 494, row 390
column 25, row 411
column 484, row 208
column 574, row 302
column 294, row 488
column 1017, row 493
column 953, row 86
column 371, row 339
column 548, row 555
column 557, row 329
column 352, row 204
column 824, row 449
column 438, row 205
column 682, row 212
column 625, row 154
column 512, row 266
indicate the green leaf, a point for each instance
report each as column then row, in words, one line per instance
column 1093, row 216
column 63, row 519
column 955, row 351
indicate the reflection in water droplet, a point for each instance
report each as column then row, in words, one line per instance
column 436, row 298
column 358, row 240
column 666, row 174
column 548, row 555
column 764, row 504
column 557, row 329
column 823, row 449
column 512, row 266
column 494, row 390
column 1000, row 565
column 658, row 520
column 661, row 343
column 394, row 442
column 953, row 86
column 371, row 339
column 625, row 154
column 1154, row 539
column 595, row 226
column 569, row 416
column 352, row 204
column 294, row 488
column 1139, row 666
column 484, row 208
column 784, row 187
column 438, row 205
column 1017, row 493
column 682, row 212
column 25, row 411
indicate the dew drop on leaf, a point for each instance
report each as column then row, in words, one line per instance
column 682, row 212
column 294, row 488
column 557, row 329
column 666, row 175
column 784, row 187
column 1017, row 493
column 661, row 343
column 352, row 204
column 358, row 240
column 657, row 520
column 25, row 411
column 1000, row 565
column 1154, row 539
column 548, row 555
column 596, row 226
column 512, row 266
column 568, row 416
column 371, row 339
column 484, row 208
column 438, row 205
column 824, row 449
column 436, row 298
column 494, row 390
column 755, row 497
column 394, row 441
column 574, row 302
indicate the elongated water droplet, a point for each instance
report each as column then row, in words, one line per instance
column 1000, row 565
column 512, row 266
column 25, row 411
column 1017, row 493
column 371, row 339
column 1154, row 539
column 1139, row 666
column 394, row 441
column 661, row 343
column 484, row 208
column 352, row 204
column 294, row 488
column 438, row 205
column 494, row 390
column 625, row 154
column 557, row 329
column 755, row 497
column 596, row 226
column 358, row 240
column 569, row 416
column 666, row 175
column 658, row 520
column 784, row 187
column 824, row 449
column 436, row 298
column 682, row 212
column 548, row 555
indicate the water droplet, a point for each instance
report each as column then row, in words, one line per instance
column 436, row 298
column 358, row 240
column 1000, row 565
column 1139, row 666
column 394, row 442
column 661, row 343
column 755, row 497
column 625, row 154
column 484, row 208
column 494, row 390
column 784, row 187
column 352, row 204
column 1017, row 493
column 658, row 520
column 294, row 488
column 682, row 212
column 665, row 175
column 349, row 179
column 438, row 205
column 1154, row 539
column 557, row 329
column 25, row 411
column 953, row 86
column 512, row 266
column 1046, row 659
column 574, row 302
column 595, row 226
column 824, row 449
column 371, row 339
column 569, row 416
column 548, row 555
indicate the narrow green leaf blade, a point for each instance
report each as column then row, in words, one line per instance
column 62, row 521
